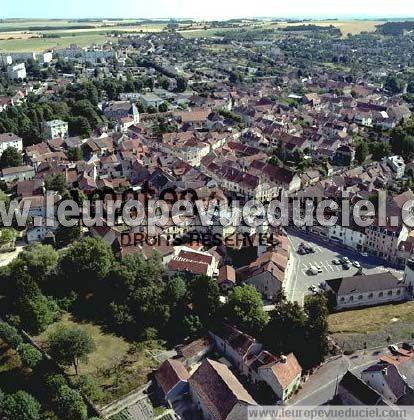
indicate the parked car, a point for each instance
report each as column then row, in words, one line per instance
column 313, row 270
column 313, row 288
column 336, row 262
column 364, row 254
column 407, row 346
column 356, row 264
column 345, row 260
column 346, row 266
column 393, row 349
column 319, row 268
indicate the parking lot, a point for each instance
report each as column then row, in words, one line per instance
column 325, row 252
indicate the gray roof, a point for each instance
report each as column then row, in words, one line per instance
column 364, row 283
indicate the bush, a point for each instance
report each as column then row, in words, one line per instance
column 29, row 355
column 69, row 404
column 10, row 335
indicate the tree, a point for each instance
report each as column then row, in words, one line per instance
column 379, row 150
column 361, row 151
column 39, row 260
column 286, row 328
column 65, row 235
column 86, row 262
column 69, row 404
column 394, row 84
column 70, row 346
column 90, row 387
column 181, row 84
column 75, row 154
column 245, row 309
column 205, row 296
column 20, row 406
column 10, row 158
column 29, row 355
column 316, row 309
column 10, row 335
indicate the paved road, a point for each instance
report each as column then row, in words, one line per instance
column 321, row 386
column 297, row 285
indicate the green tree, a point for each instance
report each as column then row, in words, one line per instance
column 70, row 346
column 379, row 150
column 65, row 235
column 55, row 183
column 20, row 406
column 394, row 84
column 75, row 154
column 10, row 158
column 39, row 260
column 90, row 387
column 69, row 404
column 316, row 309
column 285, row 331
column 205, row 297
column 86, row 262
column 10, row 335
column 361, row 151
column 245, row 309
column 29, row 355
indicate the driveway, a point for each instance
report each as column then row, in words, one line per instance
column 299, row 281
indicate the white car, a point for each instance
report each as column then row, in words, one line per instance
column 346, row 260
column 356, row 264
column 336, row 262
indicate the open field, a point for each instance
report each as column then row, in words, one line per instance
column 373, row 326
column 117, row 365
column 41, row 44
column 352, row 27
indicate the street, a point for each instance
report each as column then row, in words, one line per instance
column 299, row 281
column 321, row 386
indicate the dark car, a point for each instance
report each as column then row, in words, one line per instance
column 407, row 346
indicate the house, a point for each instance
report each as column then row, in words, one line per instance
column 353, row 391
column 397, row 164
column 16, row 71
column 18, row 173
column 367, row 290
column 151, row 100
column 235, row 346
column 194, row 352
column 55, row 129
column 226, row 278
column 282, row 373
column 386, row 380
column 172, row 380
column 267, row 273
column 196, row 263
column 217, row 393
column 10, row 140
column 116, row 110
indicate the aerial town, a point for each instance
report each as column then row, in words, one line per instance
column 168, row 319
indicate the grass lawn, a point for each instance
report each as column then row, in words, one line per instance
column 118, row 366
column 373, row 326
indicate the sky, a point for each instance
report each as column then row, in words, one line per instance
column 199, row 9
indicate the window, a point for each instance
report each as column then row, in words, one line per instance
column 371, row 295
column 398, row 292
column 351, row 299
column 390, row 293
column 360, row 297
column 380, row 294
column 342, row 299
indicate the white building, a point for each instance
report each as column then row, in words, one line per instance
column 55, row 128
column 10, row 140
column 367, row 290
column 16, row 71
column 397, row 164
column 353, row 237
